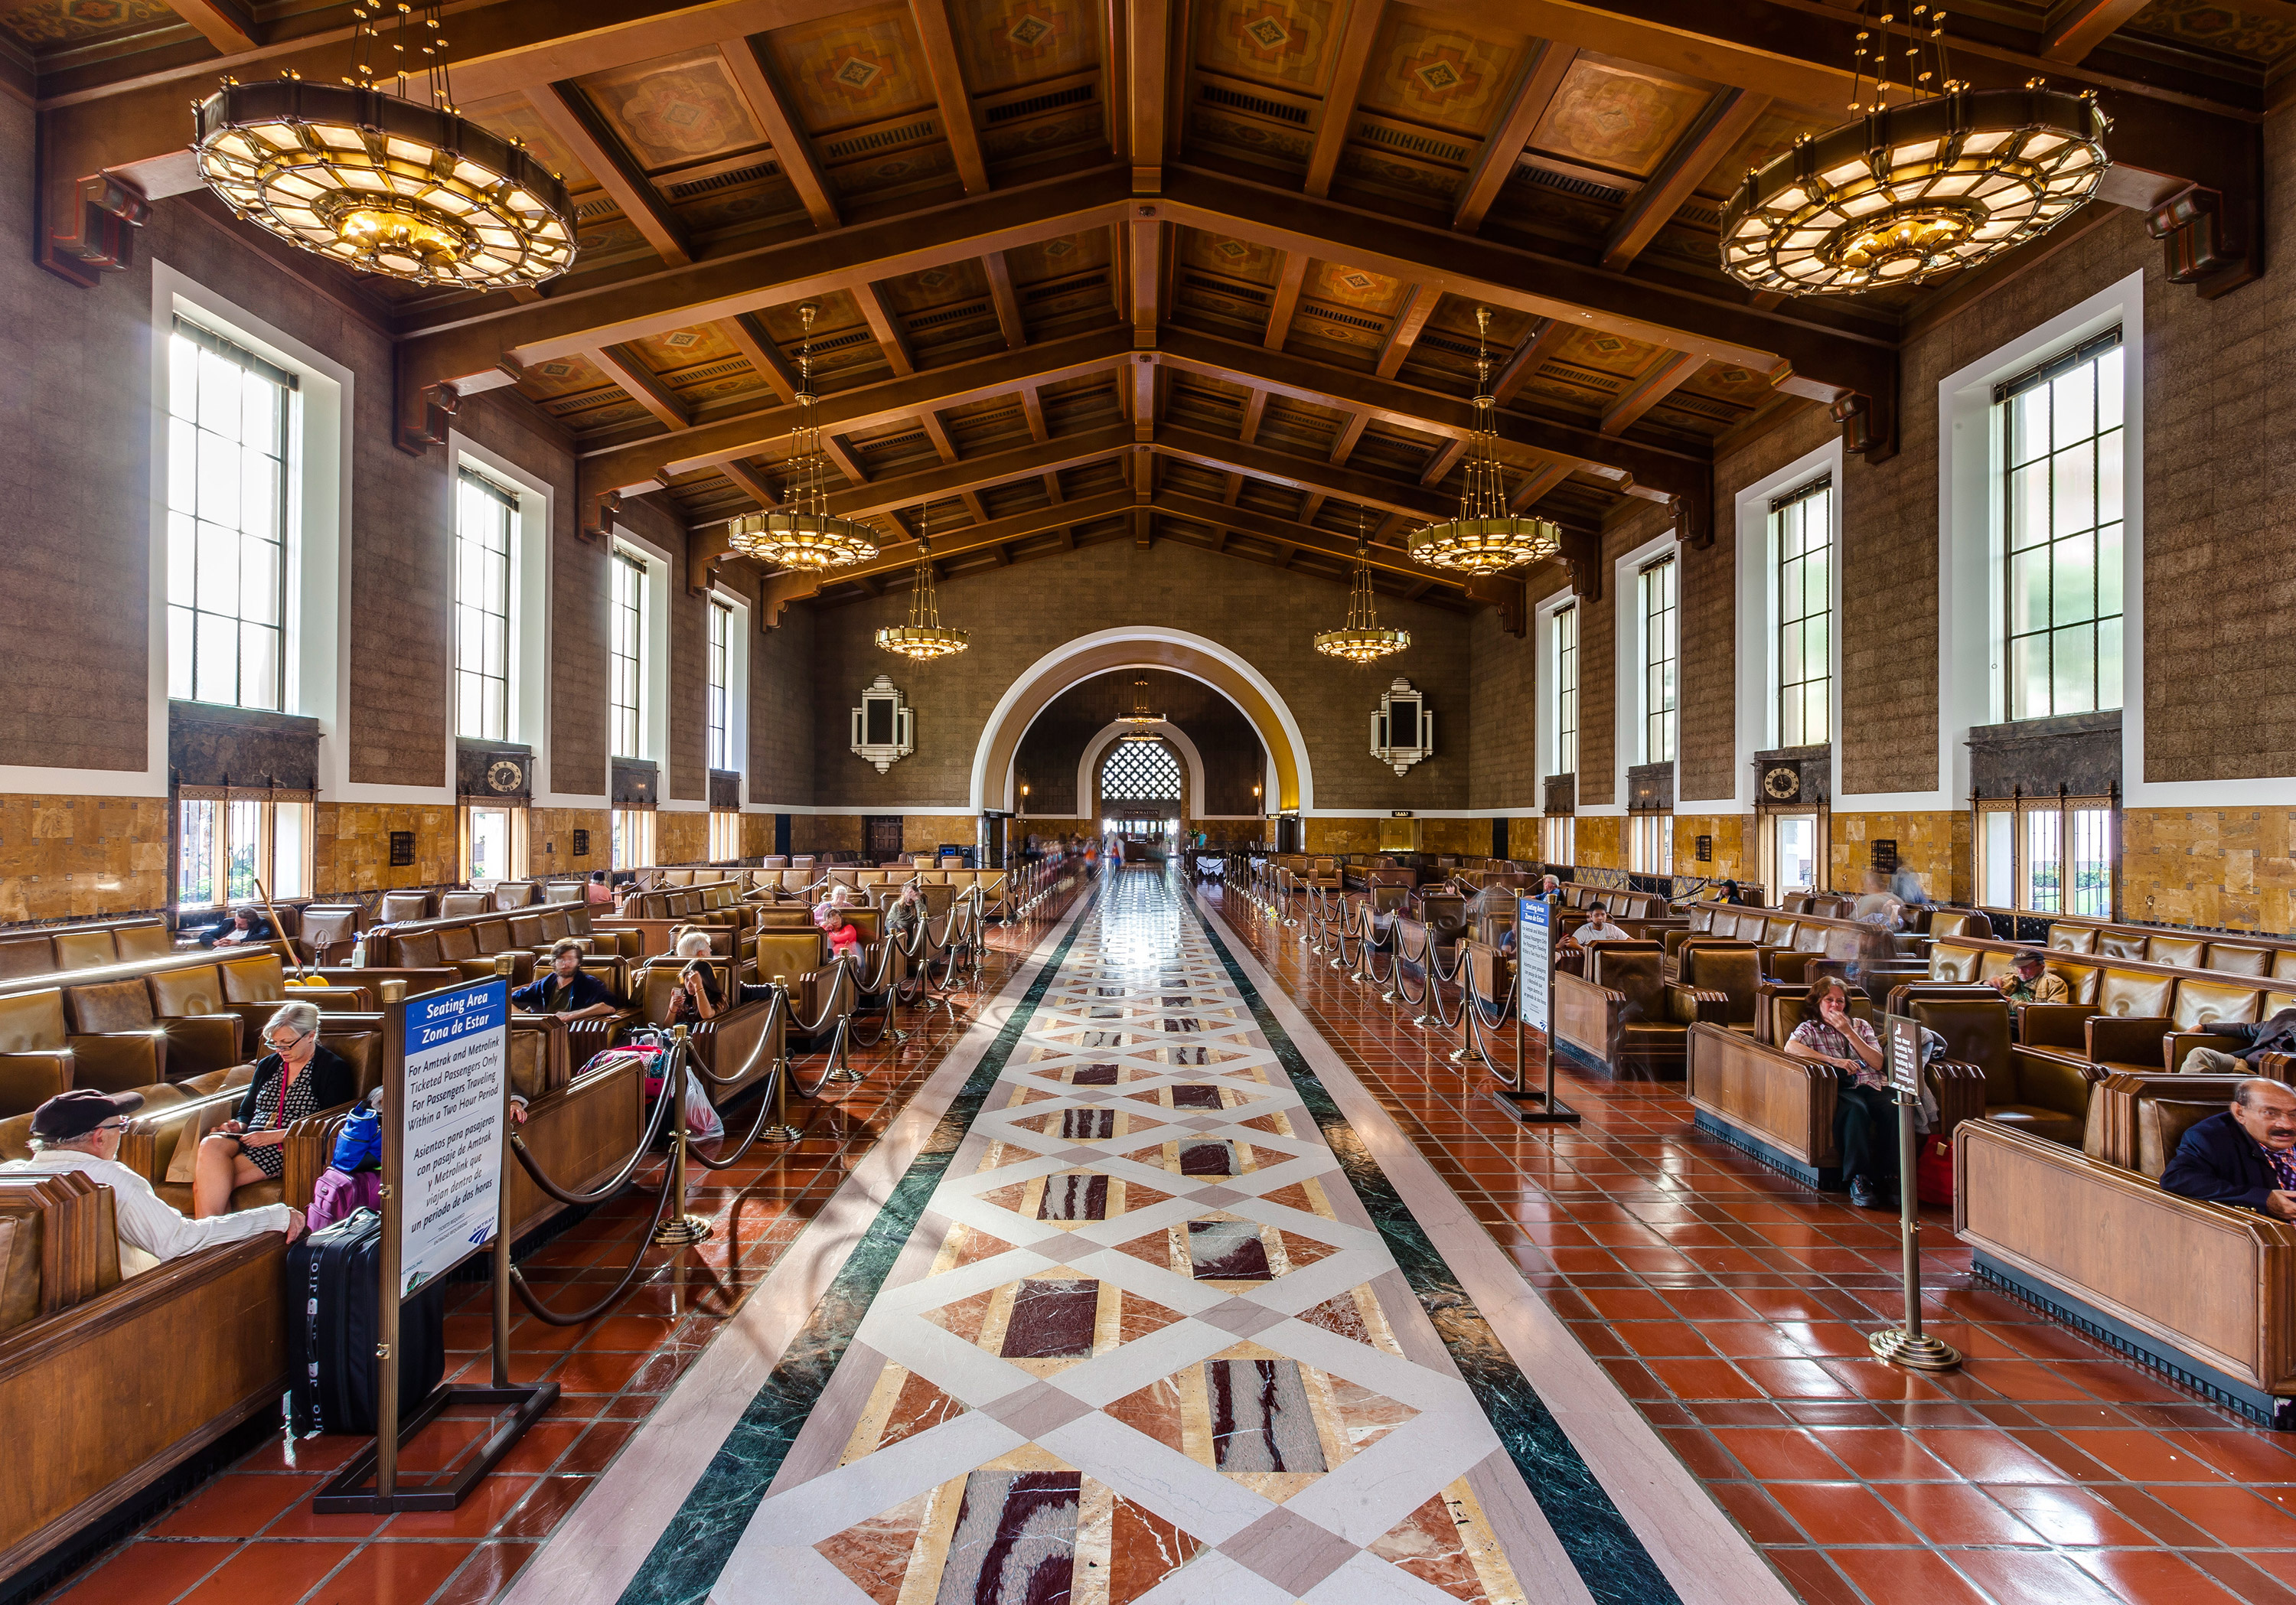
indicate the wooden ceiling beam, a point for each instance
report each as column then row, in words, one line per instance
column 1290, row 532
column 1306, row 474
column 939, row 45
column 899, row 555
column 1354, row 54
column 1147, row 87
column 1523, row 364
column 1714, row 135
column 2078, row 27
column 567, row 113
column 1008, row 305
column 1629, row 465
column 1534, row 92
column 1032, row 408
column 642, row 465
column 1144, row 276
column 936, row 433
column 885, row 328
column 1286, row 304
column 755, row 82
column 757, row 348
column 1403, row 333
column 977, row 474
column 755, row 483
column 1054, row 494
column 1350, row 432
column 641, row 385
column 1254, row 411
column 1668, row 375
column 1535, row 485
column 1445, row 458
column 224, row 24
column 839, row 451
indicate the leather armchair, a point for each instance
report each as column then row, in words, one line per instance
column 1716, row 984
column 35, row 1061
column 1619, row 1012
column 2041, row 1094
column 109, row 1018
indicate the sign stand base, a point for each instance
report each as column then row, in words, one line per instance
column 1535, row 1107
column 351, row 1489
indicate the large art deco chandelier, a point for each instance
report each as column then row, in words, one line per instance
column 924, row 636
column 1140, row 718
column 1939, row 177
column 1362, row 640
column 804, row 534
column 1486, row 536
column 379, row 181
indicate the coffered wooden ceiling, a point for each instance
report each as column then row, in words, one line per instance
column 1191, row 270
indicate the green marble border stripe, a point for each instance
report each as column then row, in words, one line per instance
column 694, row 1546
column 1610, row 1558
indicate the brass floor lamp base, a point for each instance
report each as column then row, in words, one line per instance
column 1914, row 1351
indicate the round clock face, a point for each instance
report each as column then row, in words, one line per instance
column 503, row 776
column 1783, row 782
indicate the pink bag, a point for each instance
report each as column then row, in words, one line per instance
column 338, row 1194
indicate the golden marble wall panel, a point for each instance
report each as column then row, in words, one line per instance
column 550, row 841
column 1332, row 837
column 1936, row 847
column 1469, row 838
column 826, row 833
column 680, row 837
column 81, row 857
column 2225, row 867
column 352, row 843
column 1599, row 841
column 1732, row 840
column 757, row 835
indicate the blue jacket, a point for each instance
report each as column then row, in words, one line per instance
column 2219, row 1163
column 583, row 991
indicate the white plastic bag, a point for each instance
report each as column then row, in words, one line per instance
column 702, row 1121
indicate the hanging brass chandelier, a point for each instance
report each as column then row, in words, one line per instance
column 1140, row 717
column 924, row 637
column 1486, row 537
column 1364, row 640
column 804, row 534
column 1941, row 178
column 379, row 181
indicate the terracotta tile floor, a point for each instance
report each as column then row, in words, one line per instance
column 248, row 1536
column 1732, row 1307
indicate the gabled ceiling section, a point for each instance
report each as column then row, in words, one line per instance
column 1089, row 269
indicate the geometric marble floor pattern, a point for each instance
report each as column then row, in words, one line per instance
column 1143, row 1319
column 1146, row 1345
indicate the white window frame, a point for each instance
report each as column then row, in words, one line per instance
column 654, row 663
column 630, row 838
column 1757, row 621
column 232, row 809
column 1804, row 495
column 474, row 484
column 1549, row 743
column 1626, row 710
column 530, row 607
column 717, row 683
column 737, row 682
column 516, row 849
column 1670, row 566
column 2019, row 815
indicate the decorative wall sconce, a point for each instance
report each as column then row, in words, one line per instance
column 1403, row 730
column 884, row 727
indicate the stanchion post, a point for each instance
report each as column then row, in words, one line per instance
column 1907, row 1344
column 678, row 1229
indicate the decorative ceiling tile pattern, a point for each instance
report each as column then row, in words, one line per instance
column 1005, row 44
column 55, row 22
column 673, row 110
column 1426, row 69
column 1616, row 116
column 1282, row 43
column 2258, row 33
column 856, row 68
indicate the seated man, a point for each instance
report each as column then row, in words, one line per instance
column 81, row 1130
column 566, row 988
column 1598, row 927
column 1875, row 906
column 243, row 925
column 2028, row 981
column 1550, row 889
column 2242, row 1157
column 2274, row 1035
column 597, row 892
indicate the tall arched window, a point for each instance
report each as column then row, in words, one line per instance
column 1140, row 772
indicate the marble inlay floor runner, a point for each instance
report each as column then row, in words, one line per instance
column 1144, row 1322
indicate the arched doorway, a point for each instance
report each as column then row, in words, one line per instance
column 1146, row 646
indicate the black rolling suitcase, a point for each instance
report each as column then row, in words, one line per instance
column 332, row 1301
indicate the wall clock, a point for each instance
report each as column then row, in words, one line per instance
column 505, row 777
column 1781, row 782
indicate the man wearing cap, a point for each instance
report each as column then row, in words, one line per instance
column 81, row 1130
column 2028, row 982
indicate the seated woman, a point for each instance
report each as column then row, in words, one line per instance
column 844, row 936
column 906, row 912
column 298, row 1078
column 1864, row 1110
column 698, row 996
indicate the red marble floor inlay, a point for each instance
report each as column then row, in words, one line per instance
column 248, row 1536
column 1732, row 1306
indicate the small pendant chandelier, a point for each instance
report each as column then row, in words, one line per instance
column 1486, row 537
column 805, row 533
column 1140, row 717
column 1946, row 177
column 924, row 636
column 1363, row 640
column 383, row 183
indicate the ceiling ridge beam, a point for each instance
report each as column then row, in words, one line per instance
column 1669, row 374
column 1146, row 32
column 984, row 473
column 640, row 384
column 897, row 555
column 1535, row 91
column 568, row 113
column 750, row 337
column 939, row 44
column 1727, row 120
column 755, row 80
column 1306, row 474
column 1364, row 17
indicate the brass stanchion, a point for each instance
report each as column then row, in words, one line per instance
column 1908, row 1345
column 779, row 1129
column 677, row 1228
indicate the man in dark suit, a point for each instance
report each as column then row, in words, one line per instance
column 2245, row 1157
column 2246, row 1047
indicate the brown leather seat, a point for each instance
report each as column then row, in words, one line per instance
column 456, row 905
column 2162, row 1124
column 35, row 1061
column 195, row 1044
column 1717, row 981
column 398, row 906
column 2040, row 1094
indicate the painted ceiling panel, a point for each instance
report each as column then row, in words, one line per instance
column 1004, row 44
column 1282, row 43
column 858, row 67
column 1426, row 69
column 674, row 109
column 513, row 117
column 1616, row 116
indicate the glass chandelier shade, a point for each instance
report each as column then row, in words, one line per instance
column 924, row 637
column 803, row 533
column 1943, row 179
column 382, row 183
column 1362, row 640
column 1486, row 537
column 1140, row 716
